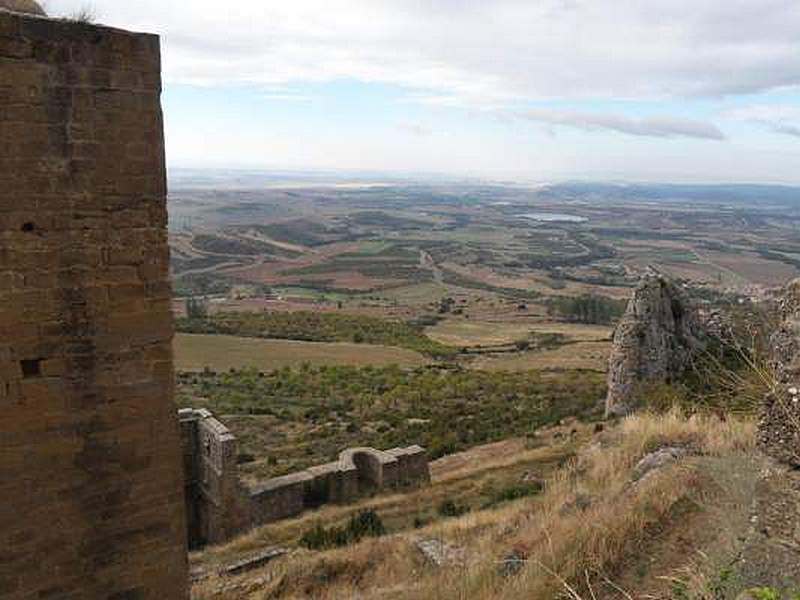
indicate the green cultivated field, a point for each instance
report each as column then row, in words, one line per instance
column 224, row 352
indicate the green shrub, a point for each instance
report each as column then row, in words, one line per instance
column 515, row 492
column 365, row 524
column 448, row 508
column 443, row 410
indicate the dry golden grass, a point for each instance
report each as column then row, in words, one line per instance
column 578, row 531
column 474, row 332
column 461, row 477
column 581, row 355
column 222, row 352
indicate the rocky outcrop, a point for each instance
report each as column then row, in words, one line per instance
column 655, row 341
column 30, row 7
column 779, row 427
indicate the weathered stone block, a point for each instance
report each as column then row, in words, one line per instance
column 88, row 433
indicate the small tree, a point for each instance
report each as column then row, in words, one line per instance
column 85, row 14
column 196, row 308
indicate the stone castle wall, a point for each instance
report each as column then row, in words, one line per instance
column 219, row 506
column 90, row 474
column 216, row 505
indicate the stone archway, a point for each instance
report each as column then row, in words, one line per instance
column 375, row 469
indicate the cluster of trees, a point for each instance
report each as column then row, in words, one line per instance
column 318, row 327
column 196, row 308
column 587, row 309
column 314, row 412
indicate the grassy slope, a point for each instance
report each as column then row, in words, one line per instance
column 563, row 545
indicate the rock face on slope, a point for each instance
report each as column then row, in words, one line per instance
column 655, row 341
column 779, row 433
column 30, row 7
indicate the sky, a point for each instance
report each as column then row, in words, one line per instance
column 534, row 90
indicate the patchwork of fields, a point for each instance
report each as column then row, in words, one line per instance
column 449, row 315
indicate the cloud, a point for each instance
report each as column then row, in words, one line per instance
column 658, row 127
column 415, row 128
column 475, row 52
column 792, row 130
column 284, row 97
column 777, row 118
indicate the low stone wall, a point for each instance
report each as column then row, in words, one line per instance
column 357, row 473
column 218, row 505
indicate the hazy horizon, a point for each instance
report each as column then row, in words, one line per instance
column 661, row 90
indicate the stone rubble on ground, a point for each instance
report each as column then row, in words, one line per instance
column 255, row 561
column 657, row 460
column 440, row 553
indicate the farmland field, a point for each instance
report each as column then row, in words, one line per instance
column 223, row 352
column 410, row 244
column 474, row 333
column 591, row 356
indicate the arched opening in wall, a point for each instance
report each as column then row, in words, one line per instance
column 370, row 476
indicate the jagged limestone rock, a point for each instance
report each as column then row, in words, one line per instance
column 654, row 342
column 30, row 7
column 779, row 427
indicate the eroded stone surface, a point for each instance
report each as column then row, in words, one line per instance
column 779, row 427
column 90, row 472
column 771, row 556
column 654, row 342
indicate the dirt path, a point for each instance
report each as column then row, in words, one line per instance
column 732, row 533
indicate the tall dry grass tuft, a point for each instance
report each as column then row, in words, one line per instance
column 737, row 371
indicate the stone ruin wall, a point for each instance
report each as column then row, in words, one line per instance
column 89, row 457
column 779, row 425
column 216, row 506
column 219, row 506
